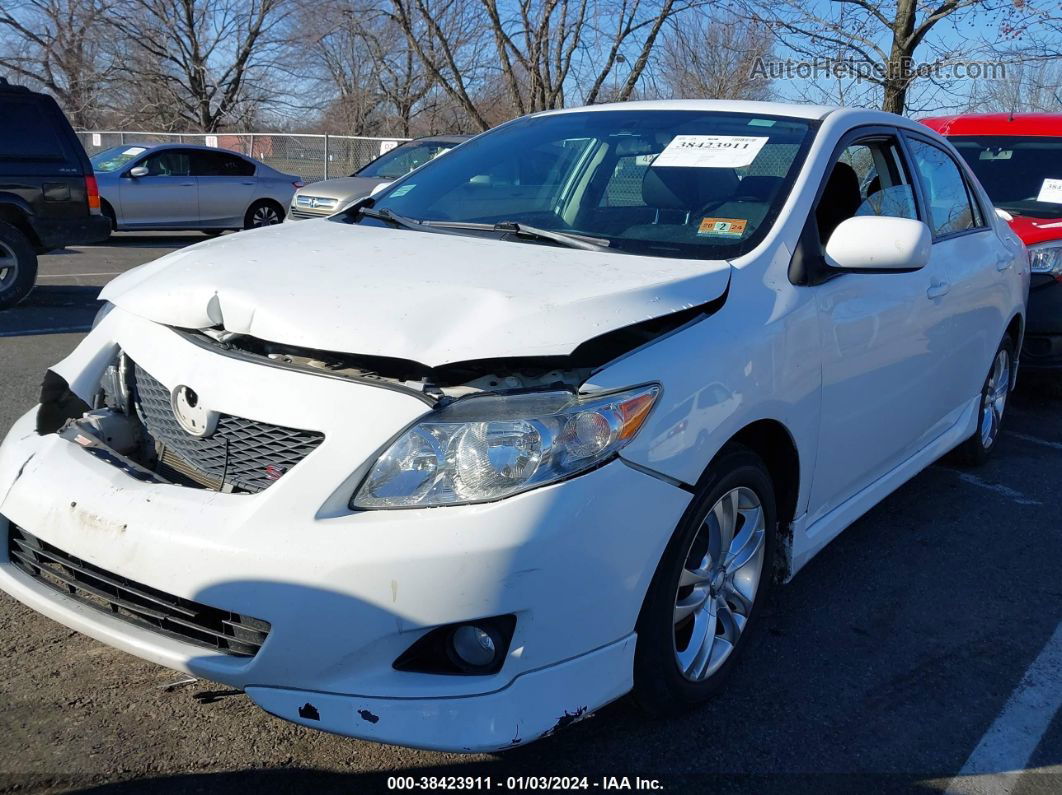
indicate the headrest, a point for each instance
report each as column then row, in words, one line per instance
column 843, row 180
column 759, row 188
column 686, row 188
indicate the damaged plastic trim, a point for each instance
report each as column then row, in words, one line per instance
column 433, row 385
column 58, row 404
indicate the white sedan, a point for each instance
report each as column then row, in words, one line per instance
column 537, row 426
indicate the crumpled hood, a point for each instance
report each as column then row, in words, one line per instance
column 428, row 298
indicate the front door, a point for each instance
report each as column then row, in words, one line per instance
column 884, row 336
column 166, row 198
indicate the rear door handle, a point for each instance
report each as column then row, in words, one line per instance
column 938, row 290
column 1003, row 261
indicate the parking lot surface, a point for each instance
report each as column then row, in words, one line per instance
column 920, row 651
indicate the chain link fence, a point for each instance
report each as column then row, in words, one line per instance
column 311, row 157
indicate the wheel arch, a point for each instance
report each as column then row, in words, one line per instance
column 772, row 441
column 19, row 218
column 258, row 202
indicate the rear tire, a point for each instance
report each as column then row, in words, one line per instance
column 707, row 594
column 108, row 211
column 18, row 266
column 263, row 213
column 976, row 450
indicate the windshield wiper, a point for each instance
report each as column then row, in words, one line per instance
column 391, row 218
column 568, row 239
column 571, row 241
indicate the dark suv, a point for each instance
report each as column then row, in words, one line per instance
column 48, row 195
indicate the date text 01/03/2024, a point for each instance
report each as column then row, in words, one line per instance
column 522, row 783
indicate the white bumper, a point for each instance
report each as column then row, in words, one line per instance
column 346, row 593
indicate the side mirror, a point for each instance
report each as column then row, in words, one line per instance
column 879, row 244
column 377, row 188
column 138, row 171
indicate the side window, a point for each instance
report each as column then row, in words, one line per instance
column 869, row 178
column 26, row 132
column 169, row 163
column 950, row 208
column 624, row 187
column 219, row 164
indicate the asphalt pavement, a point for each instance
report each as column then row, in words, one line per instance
column 920, row 651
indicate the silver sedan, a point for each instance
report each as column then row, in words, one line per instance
column 177, row 186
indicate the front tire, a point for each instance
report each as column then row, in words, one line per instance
column 263, row 213
column 976, row 450
column 18, row 266
column 709, row 588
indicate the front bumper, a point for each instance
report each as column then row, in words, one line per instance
column 1042, row 348
column 346, row 593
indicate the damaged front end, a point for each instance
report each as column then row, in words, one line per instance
column 156, row 434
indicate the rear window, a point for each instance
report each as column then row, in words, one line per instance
column 28, row 131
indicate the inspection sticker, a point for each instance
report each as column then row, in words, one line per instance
column 134, row 150
column 722, row 227
column 711, row 151
column 1051, row 191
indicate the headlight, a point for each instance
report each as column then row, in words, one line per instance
column 486, row 448
column 1047, row 259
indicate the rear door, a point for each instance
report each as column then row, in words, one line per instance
column 164, row 199
column 227, row 185
column 972, row 256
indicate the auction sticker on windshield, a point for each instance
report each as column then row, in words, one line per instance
column 710, row 151
column 1051, row 191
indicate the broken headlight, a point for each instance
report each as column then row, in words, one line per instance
column 490, row 447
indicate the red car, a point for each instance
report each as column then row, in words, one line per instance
column 1018, row 159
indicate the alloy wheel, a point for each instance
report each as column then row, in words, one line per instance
column 995, row 400
column 718, row 584
column 8, row 266
column 265, row 216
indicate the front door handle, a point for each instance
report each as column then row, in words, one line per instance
column 938, row 290
column 187, row 184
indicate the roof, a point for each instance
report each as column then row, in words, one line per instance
column 795, row 110
column 178, row 145
column 997, row 124
column 442, row 139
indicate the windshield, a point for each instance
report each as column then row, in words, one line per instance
column 1022, row 175
column 400, row 161
column 666, row 183
column 115, row 158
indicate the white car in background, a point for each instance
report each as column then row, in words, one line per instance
column 412, row 473
column 180, row 186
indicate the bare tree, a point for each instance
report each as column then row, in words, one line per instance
column 880, row 39
column 535, row 51
column 208, row 59
column 55, row 45
column 715, row 58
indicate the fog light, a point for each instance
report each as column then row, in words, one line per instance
column 474, row 646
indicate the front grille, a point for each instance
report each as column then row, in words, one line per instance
column 191, row 622
column 241, row 454
column 317, row 204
